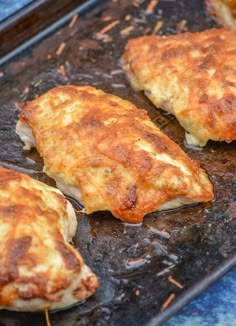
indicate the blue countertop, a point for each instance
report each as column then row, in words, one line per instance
column 8, row 7
column 214, row 307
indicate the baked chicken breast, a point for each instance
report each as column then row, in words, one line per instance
column 224, row 11
column 39, row 268
column 107, row 154
column 191, row 75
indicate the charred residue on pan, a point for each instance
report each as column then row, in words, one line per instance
column 139, row 267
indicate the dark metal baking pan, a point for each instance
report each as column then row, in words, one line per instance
column 195, row 290
column 171, row 254
column 33, row 21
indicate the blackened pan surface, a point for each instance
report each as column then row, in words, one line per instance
column 136, row 265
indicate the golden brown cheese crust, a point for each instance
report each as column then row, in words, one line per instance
column 191, row 75
column 224, row 11
column 112, row 152
column 39, row 268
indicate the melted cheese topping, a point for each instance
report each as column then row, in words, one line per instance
column 39, row 268
column 191, row 75
column 109, row 155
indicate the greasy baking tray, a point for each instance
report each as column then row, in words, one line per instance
column 21, row 26
column 137, row 265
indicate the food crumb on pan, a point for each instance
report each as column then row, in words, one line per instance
column 79, row 210
column 117, row 72
column 62, row 70
column 120, row 297
column 182, row 26
column 151, row 6
column 127, row 30
column 147, row 30
column 165, row 233
column 136, row 262
column 18, row 105
column 101, row 35
column 26, row 90
column 168, row 301
column 137, row 293
column 104, row 37
column 73, row 20
column 39, row 82
column 157, row 27
column 127, row 17
column 60, row 48
column 106, row 18
column 135, row 4
column 118, row 85
column 107, row 28
column 165, row 270
column 173, row 281
column 48, row 323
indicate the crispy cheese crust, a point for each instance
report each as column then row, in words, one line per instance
column 106, row 153
column 224, row 11
column 191, row 75
column 39, row 268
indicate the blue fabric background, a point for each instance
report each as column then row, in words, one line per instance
column 8, row 7
column 214, row 307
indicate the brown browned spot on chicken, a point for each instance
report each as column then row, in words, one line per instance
column 17, row 248
column 156, row 140
column 69, row 258
column 225, row 105
column 174, row 53
column 130, row 199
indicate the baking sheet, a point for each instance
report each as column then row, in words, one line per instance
column 135, row 264
column 29, row 21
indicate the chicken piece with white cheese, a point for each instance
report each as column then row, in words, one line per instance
column 192, row 76
column 39, row 268
column 109, row 155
